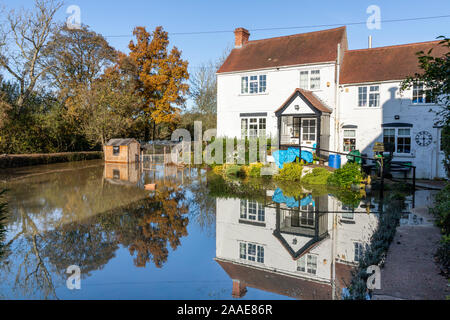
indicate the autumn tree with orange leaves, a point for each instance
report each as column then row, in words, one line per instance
column 160, row 78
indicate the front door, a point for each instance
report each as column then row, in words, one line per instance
column 308, row 132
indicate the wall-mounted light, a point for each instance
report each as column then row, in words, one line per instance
column 328, row 84
column 297, row 107
column 397, row 117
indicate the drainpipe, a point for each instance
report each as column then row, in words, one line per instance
column 337, row 100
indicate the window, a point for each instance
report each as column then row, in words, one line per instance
column 304, row 80
column 244, row 126
column 244, row 85
column 308, row 264
column 315, row 80
column 262, row 83
column 362, row 96
column 374, row 96
column 254, row 84
column 359, row 251
column 309, row 130
column 399, row 139
column 253, row 127
column 310, row 80
column 116, row 151
column 349, row 140
column 420, row 94
column 307, row 216
column 369, row 96
column 242, row 250
column 252, row 211
column 251, row 252
column 116, row 174
column 296, row 128
column 404, row 141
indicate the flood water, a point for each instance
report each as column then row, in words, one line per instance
column 188, row 239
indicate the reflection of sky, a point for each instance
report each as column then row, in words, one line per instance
column 189, row 273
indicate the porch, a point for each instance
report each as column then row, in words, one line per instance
column 304, row 121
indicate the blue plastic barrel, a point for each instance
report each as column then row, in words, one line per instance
column 334, row 161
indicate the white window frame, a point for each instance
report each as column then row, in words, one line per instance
column 254, row 84
column 250, row 121
column 397, row 136
column 345, row 137
column 419, row 94
column 306, row 265
column 252, row 252
column 358, row 248
column 368, row 94
column 312, row 76
column 253, row 211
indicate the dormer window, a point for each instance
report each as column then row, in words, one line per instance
column 254, row 84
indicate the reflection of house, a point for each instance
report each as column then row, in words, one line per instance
column 122, row 151
column 289, row 250
column 338, row 99
column 120, row 172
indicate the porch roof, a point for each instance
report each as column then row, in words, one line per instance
column 309, row 97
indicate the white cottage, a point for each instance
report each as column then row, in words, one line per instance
column 309, row 89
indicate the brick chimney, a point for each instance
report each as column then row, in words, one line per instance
column 241, row 37
column 239, row 289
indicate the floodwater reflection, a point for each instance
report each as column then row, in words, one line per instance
column 181, row 241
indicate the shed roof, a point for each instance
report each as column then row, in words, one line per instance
column 120, row 142
column 303, row 48
column 385, row 63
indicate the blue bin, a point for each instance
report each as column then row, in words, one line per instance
column 334, row 161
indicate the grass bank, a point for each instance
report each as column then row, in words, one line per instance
column 25, row 160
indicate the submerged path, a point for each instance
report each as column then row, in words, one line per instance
column 410, row 271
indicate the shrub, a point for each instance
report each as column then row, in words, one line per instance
column 244, row 172
column 218, row 169
column 349, row 174
column 291, row 172
column 317, row 176
column 232, row 170
column 443, row 254
column 441, row 210
column 255, row 169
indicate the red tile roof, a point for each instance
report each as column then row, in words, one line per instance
column 304, row 48
column 311, row 97
column 385, row 63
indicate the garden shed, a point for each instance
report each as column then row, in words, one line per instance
column 122, row 151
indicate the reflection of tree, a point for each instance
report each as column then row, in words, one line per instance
column 203, row 206
column 154, row 224
column 86, row 245
column 83, row 223
column 2, row 222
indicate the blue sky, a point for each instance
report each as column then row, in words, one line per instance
column 112, row 18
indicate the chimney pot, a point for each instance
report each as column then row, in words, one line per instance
column 241, row 37
column 370, row 42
